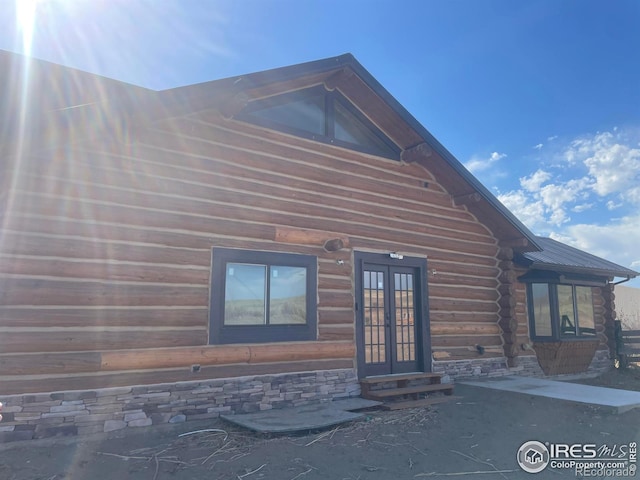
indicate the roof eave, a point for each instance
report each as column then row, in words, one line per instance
column 442, row 151
column 596, row 272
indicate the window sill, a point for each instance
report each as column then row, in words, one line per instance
column 566, row 339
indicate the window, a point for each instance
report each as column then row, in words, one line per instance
column 262, row 297
column 306, row 113
column 541, row 309
column 560, row 312
column 584, row 310
column 323, row 116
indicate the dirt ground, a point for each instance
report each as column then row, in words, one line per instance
column 476, row 436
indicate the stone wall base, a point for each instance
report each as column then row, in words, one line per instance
column 477, row 367
column 601, row 362
column 529, row 366
column 84, row 412
column 524, row 365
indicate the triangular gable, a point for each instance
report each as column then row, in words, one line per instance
column 321, row 115
column 345, row 75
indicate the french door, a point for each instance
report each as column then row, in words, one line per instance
column 392, row 320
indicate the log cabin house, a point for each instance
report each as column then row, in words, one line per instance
column 257, row 242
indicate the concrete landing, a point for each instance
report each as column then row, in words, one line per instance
column 619, row 400
column 306, row 417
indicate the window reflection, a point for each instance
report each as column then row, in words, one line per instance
column 349, row 129
column 247, row 289
column 245, row 293
column 565, row 309
column 305, row 114
column 541, row 309
column 287, row 295
column 586, row 319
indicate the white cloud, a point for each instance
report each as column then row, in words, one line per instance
column 597, row 174
column 611, row 205
column 606, row 175
column 530, row 212
column 552, row 138
column 540, row 204
column 533, row 182
column 556, row 195
column 632, row 195
column 477, row 164
column 613, row 165
column 582, row 208
column 539, row 146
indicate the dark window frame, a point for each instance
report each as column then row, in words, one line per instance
column 219, row 333
column 391, row 150
column 554, row 305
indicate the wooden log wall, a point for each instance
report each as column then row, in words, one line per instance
column 105, row 252
column 508, row 303
column 523, row 340
column 604, row 312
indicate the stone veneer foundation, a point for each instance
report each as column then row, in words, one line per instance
column 43, row 415
column 529, row 366
column 477, row 367
column 526, row 365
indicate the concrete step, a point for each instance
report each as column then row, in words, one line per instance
column 401, row 377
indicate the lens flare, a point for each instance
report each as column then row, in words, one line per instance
column 25, row 19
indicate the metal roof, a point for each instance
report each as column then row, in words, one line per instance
column 560, row 257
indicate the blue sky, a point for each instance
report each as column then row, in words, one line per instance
column 540, row 99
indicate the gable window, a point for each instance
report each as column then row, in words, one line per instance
column 560, row 312
column 324, row 116
column 262, row 297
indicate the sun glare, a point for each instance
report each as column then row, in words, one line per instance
column 25, row 19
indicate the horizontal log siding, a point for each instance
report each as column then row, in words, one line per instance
column 138, row 358
column 522, row 316
column 107, row 248
column 102, row 379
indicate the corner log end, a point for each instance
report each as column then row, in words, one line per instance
column 415, row 153
column 334, row 245
column 467, row 199
column 337, row 79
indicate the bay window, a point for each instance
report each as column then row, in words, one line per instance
column 560, row 311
